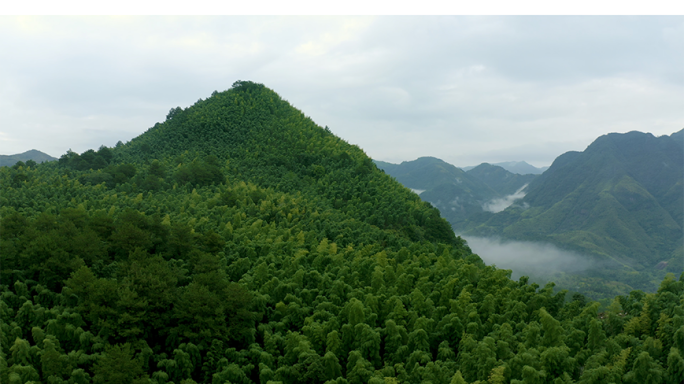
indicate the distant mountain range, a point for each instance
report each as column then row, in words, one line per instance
column 619, row 202
column 459, row 195
column 620, row 199
column 519, row 167
column 35, row 155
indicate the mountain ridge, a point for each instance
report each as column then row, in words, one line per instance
column 457, row 194
column 519, row 167
column 620, row 200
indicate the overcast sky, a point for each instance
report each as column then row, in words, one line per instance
column 464, row 89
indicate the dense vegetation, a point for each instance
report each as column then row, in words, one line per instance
column 238, row 242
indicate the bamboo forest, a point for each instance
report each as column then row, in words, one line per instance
column 239, row 242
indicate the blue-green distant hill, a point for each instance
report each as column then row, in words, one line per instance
column 519, row 167
column 35, row 155
column 460, row 196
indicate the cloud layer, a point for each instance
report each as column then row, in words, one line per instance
column 464, row 89
column 525, row 258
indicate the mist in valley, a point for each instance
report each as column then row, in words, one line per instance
column 539, row 261
column 498, row 205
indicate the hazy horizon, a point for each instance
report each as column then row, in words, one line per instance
column 464, row 89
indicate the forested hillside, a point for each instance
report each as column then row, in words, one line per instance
column 619, row 201
column 238, row 242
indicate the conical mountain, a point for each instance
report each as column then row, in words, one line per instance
column 273, row 145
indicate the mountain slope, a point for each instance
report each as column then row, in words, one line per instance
column 620, row 199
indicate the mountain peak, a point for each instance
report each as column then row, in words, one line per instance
column 33, row 154
column 519, row 167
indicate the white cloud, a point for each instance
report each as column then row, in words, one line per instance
column 463, row 89
column 498, row 205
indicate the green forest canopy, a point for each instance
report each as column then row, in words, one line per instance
column 238, row 242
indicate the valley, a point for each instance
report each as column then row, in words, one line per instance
column 617, row 204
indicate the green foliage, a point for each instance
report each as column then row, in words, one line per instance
column 305, row 264
column 117, row 365
column 197, row 173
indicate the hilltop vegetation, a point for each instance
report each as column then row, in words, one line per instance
column 238, row 242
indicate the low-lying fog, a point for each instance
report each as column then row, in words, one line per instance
column 524, row 258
